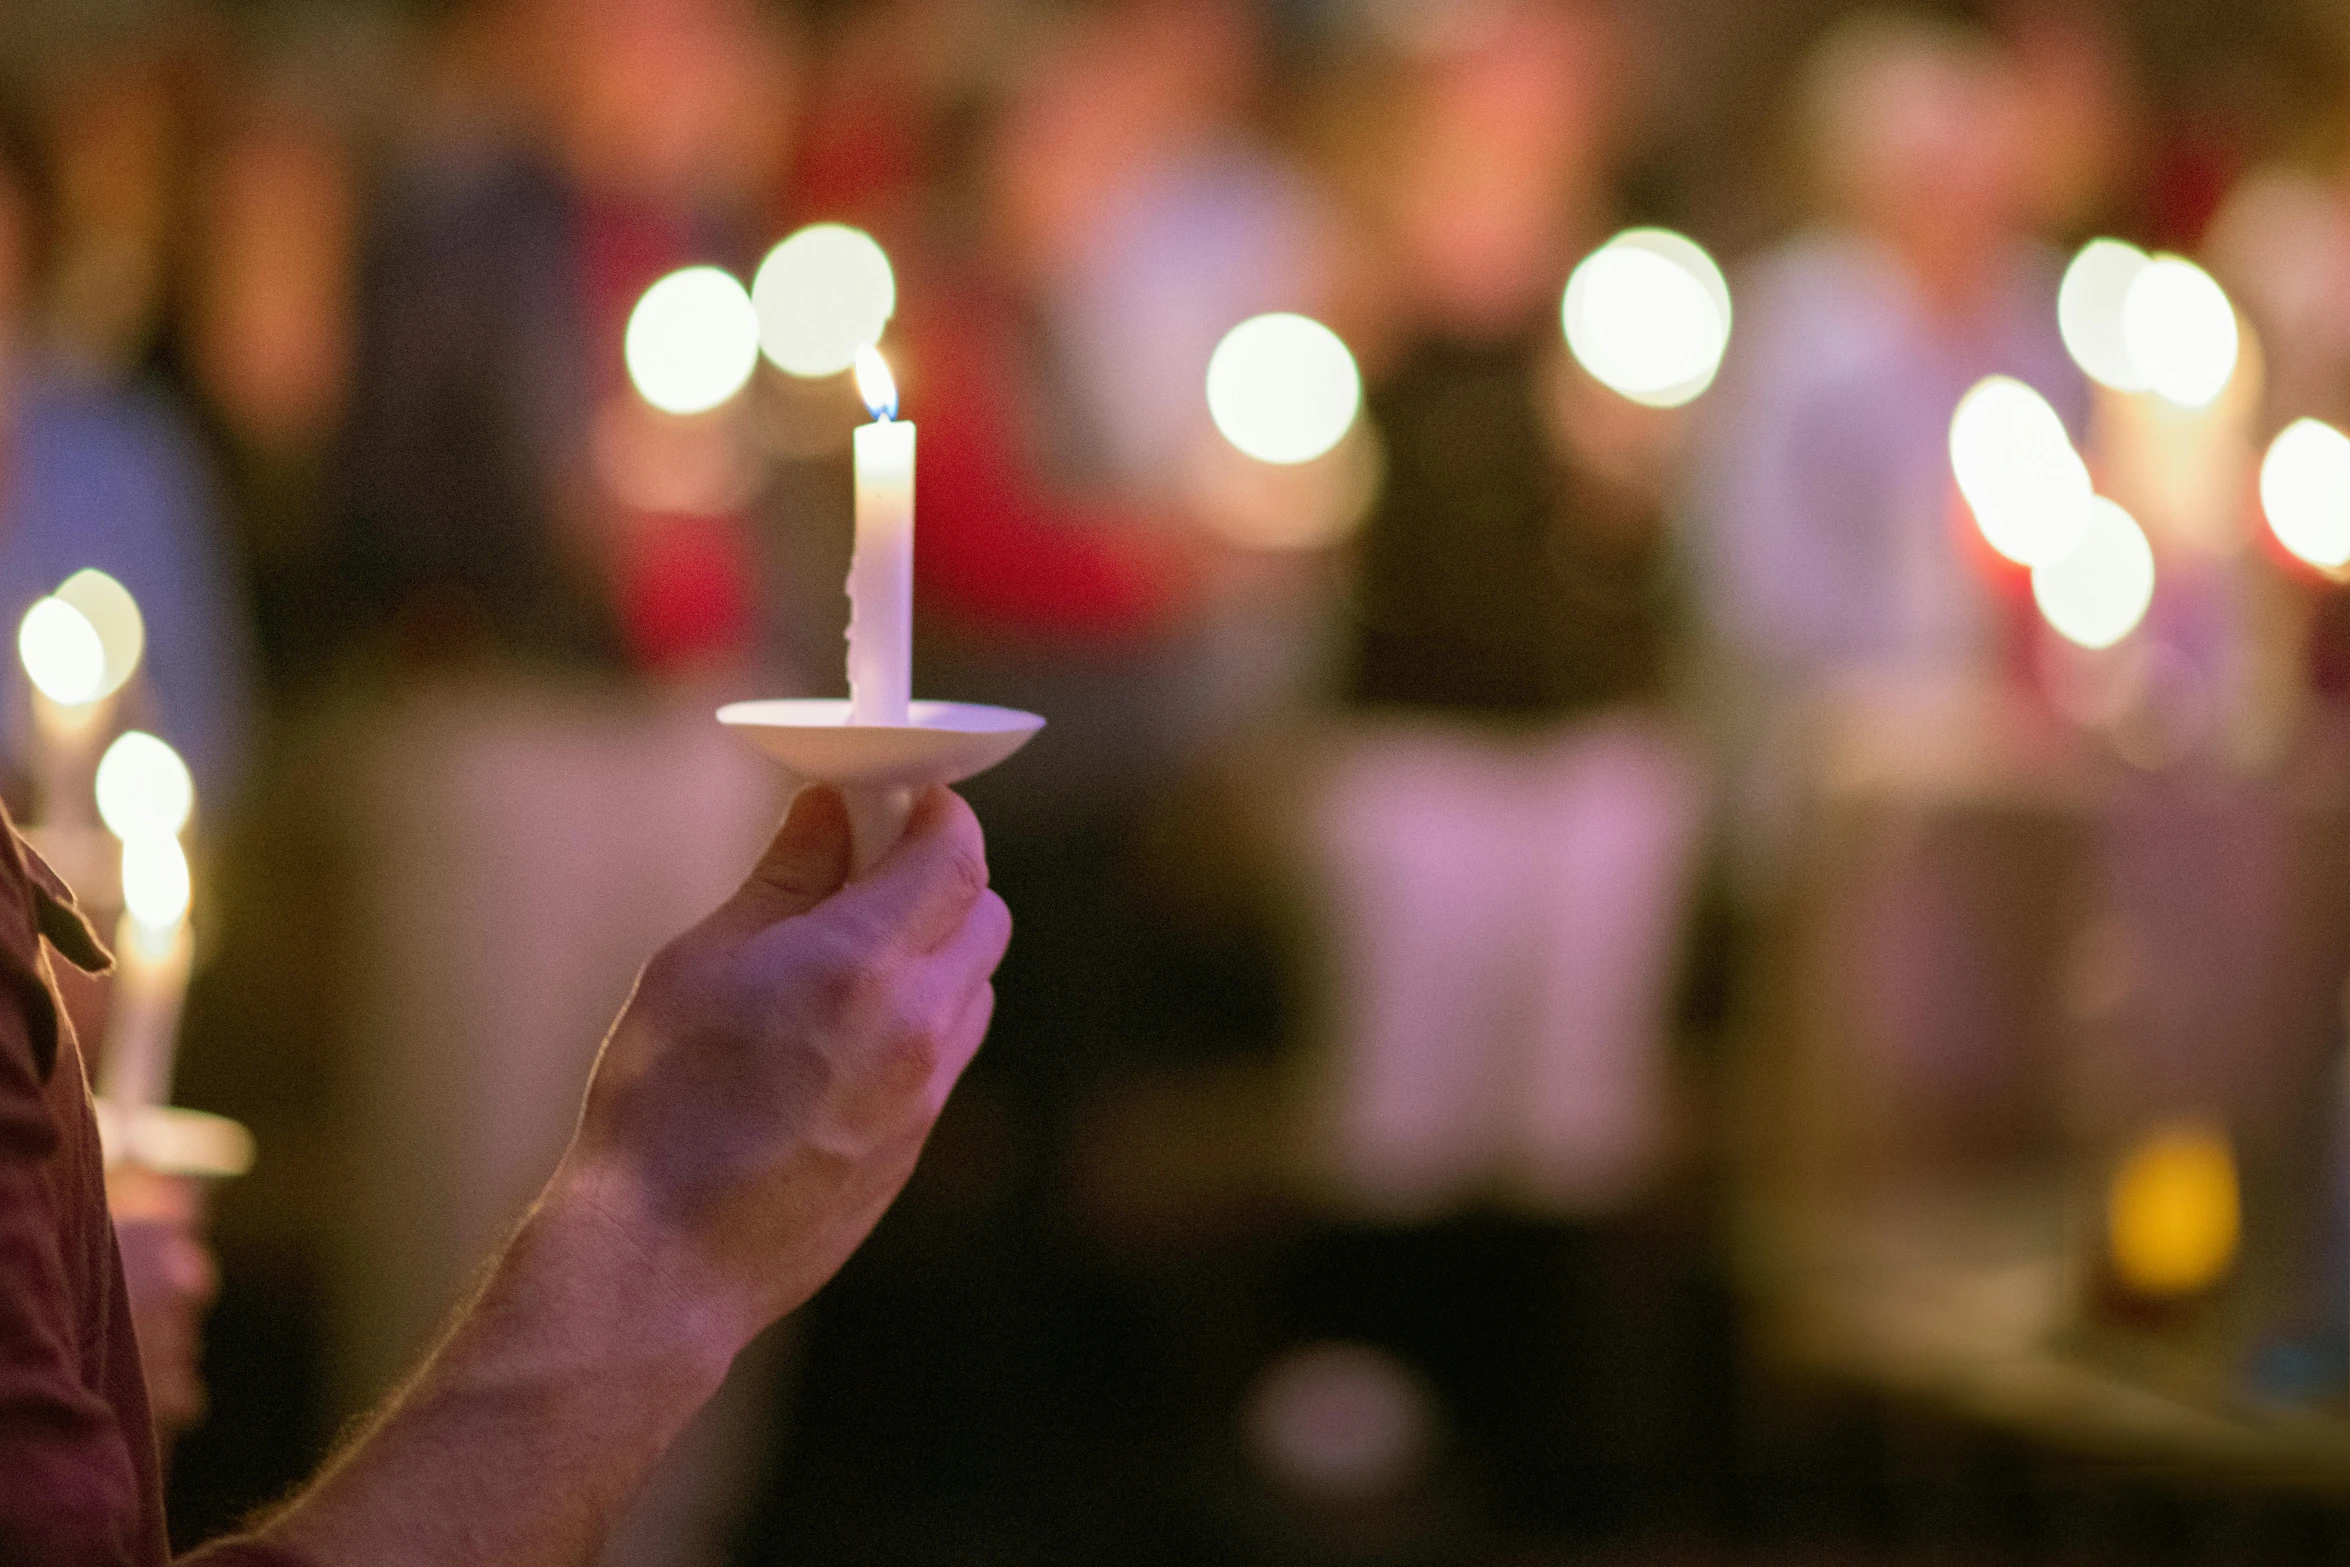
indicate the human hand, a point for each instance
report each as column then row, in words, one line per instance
column 768, row 1087
column 170, row 1276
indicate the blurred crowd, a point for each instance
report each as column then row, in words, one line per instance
column 1506, row 907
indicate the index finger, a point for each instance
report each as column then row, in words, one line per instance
column 921, row 890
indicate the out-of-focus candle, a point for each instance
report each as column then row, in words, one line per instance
column 881, row 572
column 152, row 948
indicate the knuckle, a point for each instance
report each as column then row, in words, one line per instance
column 908, row 1052
column 966, row 869
column 856, row 973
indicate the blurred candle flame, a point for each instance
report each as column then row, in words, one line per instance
column 1283, row 388
column 692, row 341
column 114, row 614
column 2098, row 592
column 62, row 653
column 2028, row 489
column 1648, row 315
column 143, row 787
column 2089, row 311
column 155, row 882
column 2180, row 331
column 2305, row 492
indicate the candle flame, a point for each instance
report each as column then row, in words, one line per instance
column 1648, row 315
column 62, row 652
column 875, row 384
column 143, row 787
column 114, row 614
column 155, row 882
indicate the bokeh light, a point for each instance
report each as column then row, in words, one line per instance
column 143, row 787
column 2028, row 488
column 2179, row 331
column 821, row 295
column 114, row 614
column 2174, row 1214
column 62, row 653
column 2305, row 491
column 1648, row 314
column 2098, row 591
column 692, row 342
column 1283, row 388
column 1341, row 1421
column 155, row 883
column 2089, row 311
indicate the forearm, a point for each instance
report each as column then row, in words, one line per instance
column 529, row 1430
column 761, row 1100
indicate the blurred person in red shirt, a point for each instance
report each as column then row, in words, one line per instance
column 504, row 484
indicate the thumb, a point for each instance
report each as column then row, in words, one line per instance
column 804, row 863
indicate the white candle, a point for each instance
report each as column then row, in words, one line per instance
column 881, row 572
column 151, row 950
column 143, row 1012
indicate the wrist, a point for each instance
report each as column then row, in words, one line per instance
column 595, row 1223
column 586, row 1337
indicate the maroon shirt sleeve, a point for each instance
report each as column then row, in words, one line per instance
column 78, row 1474
column 243, row 1553
column 79, row 1481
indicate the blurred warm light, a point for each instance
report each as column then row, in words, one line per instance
column 143, row 787
column 653, row 462
column 2179, row 331
column 2028, row 488
column 822, row 294
column 1341, row 1421
column 2097, row 593
column 114, row 614
column 875, row 384
column 2089, row 311
column 1285, row 507
column 2173, row 1215
column 62, row 652
column 1283, row 388
column 692, row 341
column 2305, row 490
column 155, row 886
column 1648, row 314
